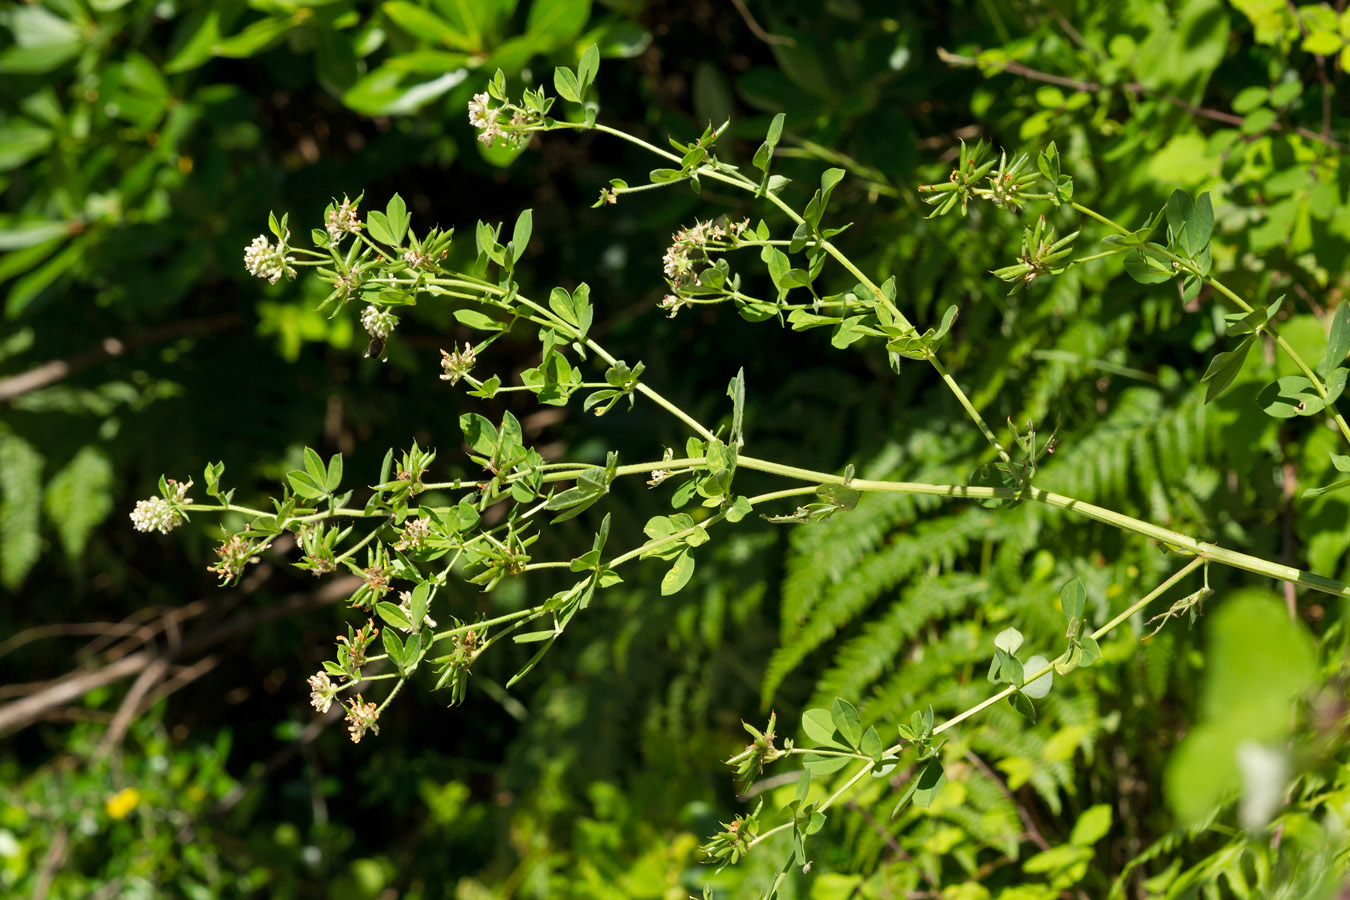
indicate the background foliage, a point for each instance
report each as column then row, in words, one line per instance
column 142, row 143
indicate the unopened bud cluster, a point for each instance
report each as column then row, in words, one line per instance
column 454, row 366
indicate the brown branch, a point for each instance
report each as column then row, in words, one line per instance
column 1033, row 833
column 56, row 854
column 76, row 629
column 126, row 710
column 21, row 713
column 759, row 32
column 110, row 347
column 1013, row 67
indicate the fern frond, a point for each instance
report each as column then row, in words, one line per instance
column 936, row 543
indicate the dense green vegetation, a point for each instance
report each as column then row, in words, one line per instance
column 158, row 733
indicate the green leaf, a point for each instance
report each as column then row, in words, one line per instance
column 1249, row 98
column 254, row 39
column 1224, row 367
column 679, row 574
column 736, row 391
column 565, row 83
column 78, row 498
column 1326, row 489
column 314, row 466
column 1022, row 703
column 845, row 719
column 520, row 235
column 555, row 22
column 741, row 508
column 1091, row 652
column 396, row 212
column 818, row 726
column 1338, row 342
column 479, row 434
column 333, row 479
column 587, row 68
column 1073, row 599
column 1323, row 43
column 817, row 764
column 425, row 25
column 1290, row 396
column 1093, row 825
column 378, row 227
column 1335, row 385
column 1041, row 686
column 1148, row 265
column 923, row 788
column 1008, row 640
column 42, row 40
column 533, row 661
column 20, row 143
column 392, row 614
column 393, row 646
column 30, row 232
column 871, row 744
column 304, row 485
column 764, row 155
column 1191, row 223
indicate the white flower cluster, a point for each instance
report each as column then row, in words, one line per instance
column 265, row 261
column 342, row 220
column 455, row 366
column 405, row 604
column 416, row 259
column 488, row 122
column 160, row 514
column 362, row 717
column 378, row 323
column 415, row 534
column 660, row 475
column 483, row 117
column 322, row 691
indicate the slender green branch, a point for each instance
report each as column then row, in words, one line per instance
column 346, row 554
column 740, row 181
column 1096, row 635
column 825, row 804
column 223, row 507
column 1001, row 695
column 1165, row 536
column 1191, row 269
column 487, row 623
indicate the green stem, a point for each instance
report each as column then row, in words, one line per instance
column 1096, row 635
column 1237, row 300
column 1166, row 536
column 487, row 623
column 357, row 546
column 744, row 183
column 1093, row 214
column 223, row 507
column 969, row 407
column 828, row 802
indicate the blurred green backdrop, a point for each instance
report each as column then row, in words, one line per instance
column 142, row 145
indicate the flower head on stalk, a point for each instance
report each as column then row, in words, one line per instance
column 342, row 219
column 454, row 366
column 361, row 717
column 263, row 259
column 165, row 512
